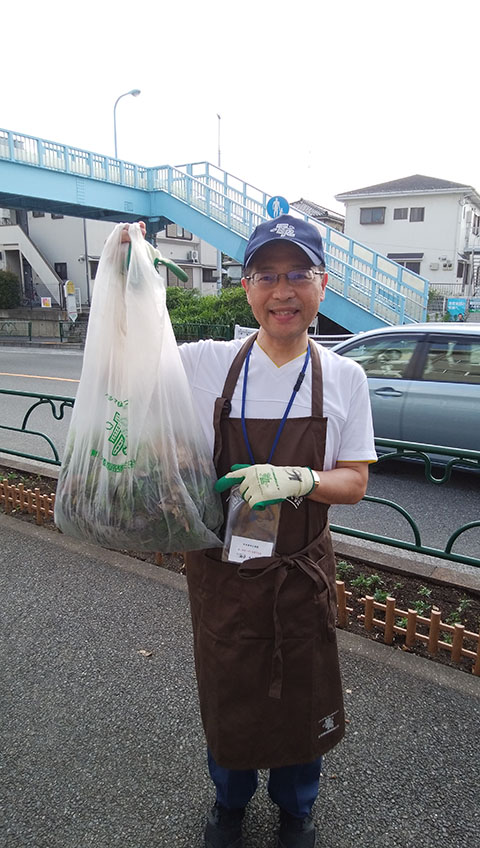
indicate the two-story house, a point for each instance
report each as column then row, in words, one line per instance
column 45, row 250
column 429, row 225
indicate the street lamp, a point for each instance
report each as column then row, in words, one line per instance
column 134, row 92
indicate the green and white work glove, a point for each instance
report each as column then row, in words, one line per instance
column 261, row 485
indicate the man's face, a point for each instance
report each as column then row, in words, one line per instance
column 284, row 311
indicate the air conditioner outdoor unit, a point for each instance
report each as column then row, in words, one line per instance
column 447, row 266
column 193, row 255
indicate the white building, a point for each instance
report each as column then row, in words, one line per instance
column 51, row 249
column 430, row 226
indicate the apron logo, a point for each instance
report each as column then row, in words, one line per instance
column 284, row 230
column 327, row 724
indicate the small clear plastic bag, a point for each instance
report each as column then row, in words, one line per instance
column 249, row 533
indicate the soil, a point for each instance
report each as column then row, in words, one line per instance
column 456, row 606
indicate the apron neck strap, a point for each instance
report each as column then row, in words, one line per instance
column 236, row 367
column 317, row 381
column 317, row 378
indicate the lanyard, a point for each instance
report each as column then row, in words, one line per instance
column 287, row 410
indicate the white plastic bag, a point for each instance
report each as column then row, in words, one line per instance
column 137, row 472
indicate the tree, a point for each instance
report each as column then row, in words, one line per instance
column 10, row 290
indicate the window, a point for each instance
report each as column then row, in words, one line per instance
column 417, row 213
column 462, row 270
column 411, row 261
column 210, row 275
column 176, row 232
column 56, row 217
column 172, row 279
column 400, row 214
column 61, row 270
column 37, row 214
column 383, row 357
column 93, row 263
column 453, row 361
column 372, row 215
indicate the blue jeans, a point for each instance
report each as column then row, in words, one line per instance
column 293, row 788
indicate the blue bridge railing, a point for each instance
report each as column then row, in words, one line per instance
column 371, row 281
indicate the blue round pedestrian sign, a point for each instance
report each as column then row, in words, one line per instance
column 277, row 206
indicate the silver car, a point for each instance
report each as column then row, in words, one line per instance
column 424, row 381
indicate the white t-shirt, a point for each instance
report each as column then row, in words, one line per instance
column 346, row 401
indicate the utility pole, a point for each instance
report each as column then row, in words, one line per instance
column 219, row 252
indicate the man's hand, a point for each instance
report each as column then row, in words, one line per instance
column 266, row 484
column 125, row 234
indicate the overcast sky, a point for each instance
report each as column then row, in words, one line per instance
column 315, row 98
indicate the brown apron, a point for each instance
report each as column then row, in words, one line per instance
column 264, row 631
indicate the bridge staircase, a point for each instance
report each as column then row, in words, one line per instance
column 366, row 289
column 13, row 238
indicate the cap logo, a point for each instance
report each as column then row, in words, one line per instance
column 284, row 230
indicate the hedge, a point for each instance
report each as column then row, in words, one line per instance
column 10, row 291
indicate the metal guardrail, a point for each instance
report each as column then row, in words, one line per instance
column 65, row 331
column 40, row 400
column 425, row 453
column 389, row 449
column 16, row 329
column 193, row 331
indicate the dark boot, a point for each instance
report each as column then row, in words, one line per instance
column 296, row 833
column 224, row 828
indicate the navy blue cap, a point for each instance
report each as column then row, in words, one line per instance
column 287, row 228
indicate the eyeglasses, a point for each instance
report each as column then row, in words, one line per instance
column 297, row 279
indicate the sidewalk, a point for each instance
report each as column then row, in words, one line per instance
column 103, row 747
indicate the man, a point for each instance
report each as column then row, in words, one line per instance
column 294, row 421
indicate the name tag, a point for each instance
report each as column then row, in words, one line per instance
column 242, row 548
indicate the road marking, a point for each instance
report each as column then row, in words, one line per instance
column 38, row 377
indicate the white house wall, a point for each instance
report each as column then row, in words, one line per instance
column 438, row 235
column 62, row 240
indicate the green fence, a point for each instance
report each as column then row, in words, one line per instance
column 193, row 332
column 15, row 329
column 387, row 448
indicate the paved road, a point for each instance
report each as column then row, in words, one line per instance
column 101, row 747
column 437, row 510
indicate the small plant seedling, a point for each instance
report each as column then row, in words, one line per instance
column 380, row 595
column 344, row 569
column 425, row 591
column 454, row 617
column 421, row 607
column 368, row 583
column 360, row 582
column 463, row 606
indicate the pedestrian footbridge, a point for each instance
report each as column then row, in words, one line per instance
column 365, row 290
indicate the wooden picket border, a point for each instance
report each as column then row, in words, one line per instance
column 19, row 498
column 433, row 626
